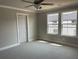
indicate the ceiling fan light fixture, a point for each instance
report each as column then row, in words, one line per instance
column 37, row 6
column 40, row 7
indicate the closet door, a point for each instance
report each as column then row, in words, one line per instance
column 22, row 28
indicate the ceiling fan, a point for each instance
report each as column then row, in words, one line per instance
column 37, row 3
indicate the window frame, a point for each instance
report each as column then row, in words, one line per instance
column 47, row 24
column 59, row 24
column 76, row 24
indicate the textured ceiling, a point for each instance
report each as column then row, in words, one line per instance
column 21, row 4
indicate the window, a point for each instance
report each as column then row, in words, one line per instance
column 68, row 21
column 52, row 23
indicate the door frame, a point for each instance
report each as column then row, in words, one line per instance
column 27, row 15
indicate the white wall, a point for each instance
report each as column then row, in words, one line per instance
column 8, row 26
column 32, row 30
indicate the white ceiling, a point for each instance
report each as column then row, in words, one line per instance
column 21, row 4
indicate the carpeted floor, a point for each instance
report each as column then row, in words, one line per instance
column 38, row 50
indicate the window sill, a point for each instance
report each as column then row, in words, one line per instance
column 68, row 36
column 62, row 35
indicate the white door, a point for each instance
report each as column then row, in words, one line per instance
column 22, row 28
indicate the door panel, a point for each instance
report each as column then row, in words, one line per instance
column 22, row 37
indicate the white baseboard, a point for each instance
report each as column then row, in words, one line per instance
column 10, row 46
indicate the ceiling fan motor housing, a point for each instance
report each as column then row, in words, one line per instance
column 38, row 1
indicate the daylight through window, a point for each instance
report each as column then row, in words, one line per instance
column 52, row 23
column 68, row 24
column 69, row 21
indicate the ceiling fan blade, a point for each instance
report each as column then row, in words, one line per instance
column 27, row 1
column 28, row 6
column 47, row 4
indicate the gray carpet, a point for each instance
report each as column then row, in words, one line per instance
column 37, row 50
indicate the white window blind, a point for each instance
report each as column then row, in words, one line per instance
column 68, row 23
column 52, row 23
